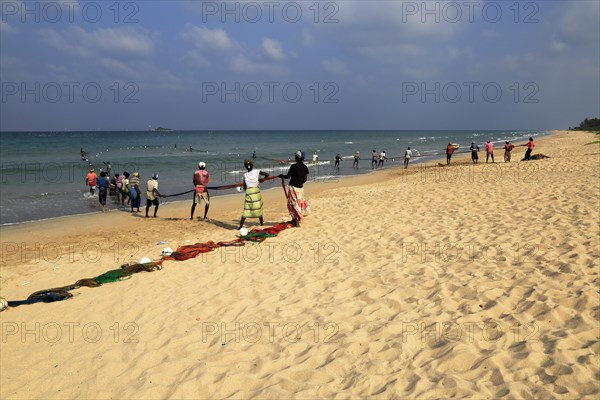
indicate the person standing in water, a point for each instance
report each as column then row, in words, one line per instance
column 103, row 186
column 382, row 158
column 407, row 156
column 356, row 159
column 337, row 161
column 90, row 180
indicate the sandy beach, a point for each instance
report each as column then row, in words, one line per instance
column 473, row 281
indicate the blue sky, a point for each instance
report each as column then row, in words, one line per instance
column 213, row 65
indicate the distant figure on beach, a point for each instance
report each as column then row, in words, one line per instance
column 315, row 158
column 201, row 179
column 356, row 159
column 297, row 204
column 152, row 194
column 474, row 152
column 134, row 192
column 530, row 145
column 508, row 147
column 374, row 159
column 382, row 158
column 407, row 156
column 253, row 205
column 108, row 167
column 90, row 180
column 103, row 185
column 489, row 151
column 449, row 152
column 83, row 154
column 190, row 149
column 254, row 155
column 337, row 160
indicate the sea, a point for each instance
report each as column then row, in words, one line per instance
column 42, row 174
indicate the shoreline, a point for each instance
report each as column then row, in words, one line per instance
column 416, row 160
column 351, row 180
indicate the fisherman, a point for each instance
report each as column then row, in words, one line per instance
column 407, row 156
column 152, row 194
column 449, row 152
column 530, row 145
column 489, row 151
column 253, row 205
column 508, row 147
column 103, row 185
column 382, row 158
column 297, row 204
column 201, row 180
column 474, row 152
column 134, row 192
column 356, row 159
column 90, row 180
column 337, row 161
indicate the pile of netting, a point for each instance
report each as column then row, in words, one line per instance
column 127, row 270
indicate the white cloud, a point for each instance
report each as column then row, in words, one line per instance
column 307, row 38
column 209, row 39
column 557, row 45
column 273, row 49
column 512, row 62
column 453, row 53
column 335, row 66
column 196, row 59
column 490, row 34
column 121, row 43
column 6, row 28
column 579, row 23
column 246, row 65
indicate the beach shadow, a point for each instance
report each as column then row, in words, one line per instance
column 221, row 224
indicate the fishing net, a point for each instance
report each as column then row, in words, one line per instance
column 127, row 270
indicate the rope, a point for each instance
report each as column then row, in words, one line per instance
column 222, row 187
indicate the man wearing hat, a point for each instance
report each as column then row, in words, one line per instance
column 201, row 180
column 90, row 180
column 152, row 194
